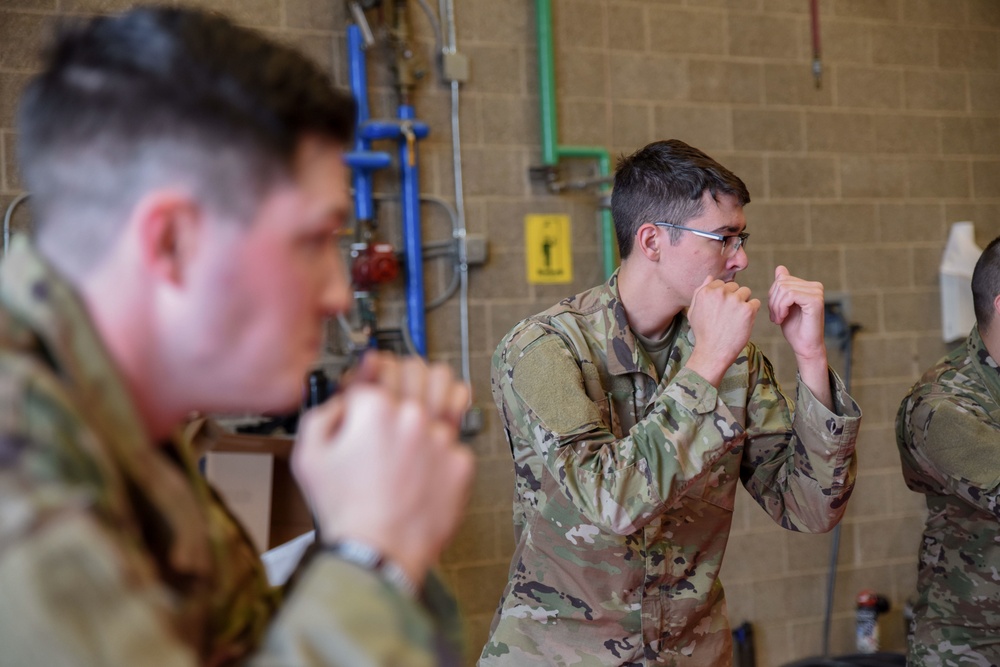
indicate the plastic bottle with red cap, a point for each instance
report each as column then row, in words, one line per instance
column 869, row 606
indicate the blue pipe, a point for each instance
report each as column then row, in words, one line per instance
column 356, row 63
column 367, row 160
column 412, row 241
column 393, row 129
column 373, row 130
column 362, row 161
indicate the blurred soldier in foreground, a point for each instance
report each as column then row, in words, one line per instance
column 948, row 433
column 187, row 187
column 632, row 412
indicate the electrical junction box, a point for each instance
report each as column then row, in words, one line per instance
column 455, row 67
column 475, row 249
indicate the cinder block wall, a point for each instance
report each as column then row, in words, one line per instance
column 853, row 184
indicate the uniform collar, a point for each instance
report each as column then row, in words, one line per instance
column 986, row 366
column 625, row 354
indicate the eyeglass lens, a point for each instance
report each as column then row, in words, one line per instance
column 732, row 245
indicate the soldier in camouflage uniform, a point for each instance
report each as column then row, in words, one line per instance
column 188, row 183
column 948, row 434
column 633, row 409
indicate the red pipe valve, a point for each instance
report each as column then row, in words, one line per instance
column 373, row 265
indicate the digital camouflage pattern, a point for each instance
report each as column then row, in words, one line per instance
column 115, row 552
column 625, row 486
column 948, row 434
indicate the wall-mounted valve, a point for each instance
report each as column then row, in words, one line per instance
column 373, row 264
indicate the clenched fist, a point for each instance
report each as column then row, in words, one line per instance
column 721, row 316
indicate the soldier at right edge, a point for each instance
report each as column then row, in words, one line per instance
column 948, row 433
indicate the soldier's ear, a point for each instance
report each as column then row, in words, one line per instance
column 168, row 224
column 647, row 241
column 996, row 306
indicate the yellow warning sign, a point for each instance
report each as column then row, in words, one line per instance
column 548, row 248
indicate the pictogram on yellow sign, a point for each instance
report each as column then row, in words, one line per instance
column 548, row 249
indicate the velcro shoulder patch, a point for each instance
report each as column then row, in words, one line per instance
column 548, row 381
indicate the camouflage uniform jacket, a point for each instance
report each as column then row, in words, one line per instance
column 948, row 434
column 115, row 552
column 624, row 486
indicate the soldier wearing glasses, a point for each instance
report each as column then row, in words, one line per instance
column 633, row 409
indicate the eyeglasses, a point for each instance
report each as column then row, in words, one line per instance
column 730, row 244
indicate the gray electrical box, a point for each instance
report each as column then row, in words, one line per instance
column 455, row 67
column 475, row 249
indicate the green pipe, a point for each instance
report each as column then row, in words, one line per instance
column 611, row 259
column 551, row 150
column 609, row 243
column 547, row 82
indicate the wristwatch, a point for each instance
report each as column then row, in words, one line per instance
column 368, row 557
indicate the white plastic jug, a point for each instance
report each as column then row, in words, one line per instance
column 957, row 263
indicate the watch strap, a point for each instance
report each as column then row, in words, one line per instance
column 368, row 557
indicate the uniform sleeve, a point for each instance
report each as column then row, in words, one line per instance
column 343, row 615
column 956, row 445
column 799, row 463
column 73, row 597
column 618, row 484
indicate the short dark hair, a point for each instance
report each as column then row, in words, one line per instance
column 163, row 96
column 986, row 283
column 664, row 182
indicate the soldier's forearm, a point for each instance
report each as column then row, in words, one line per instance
column 815, row 374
